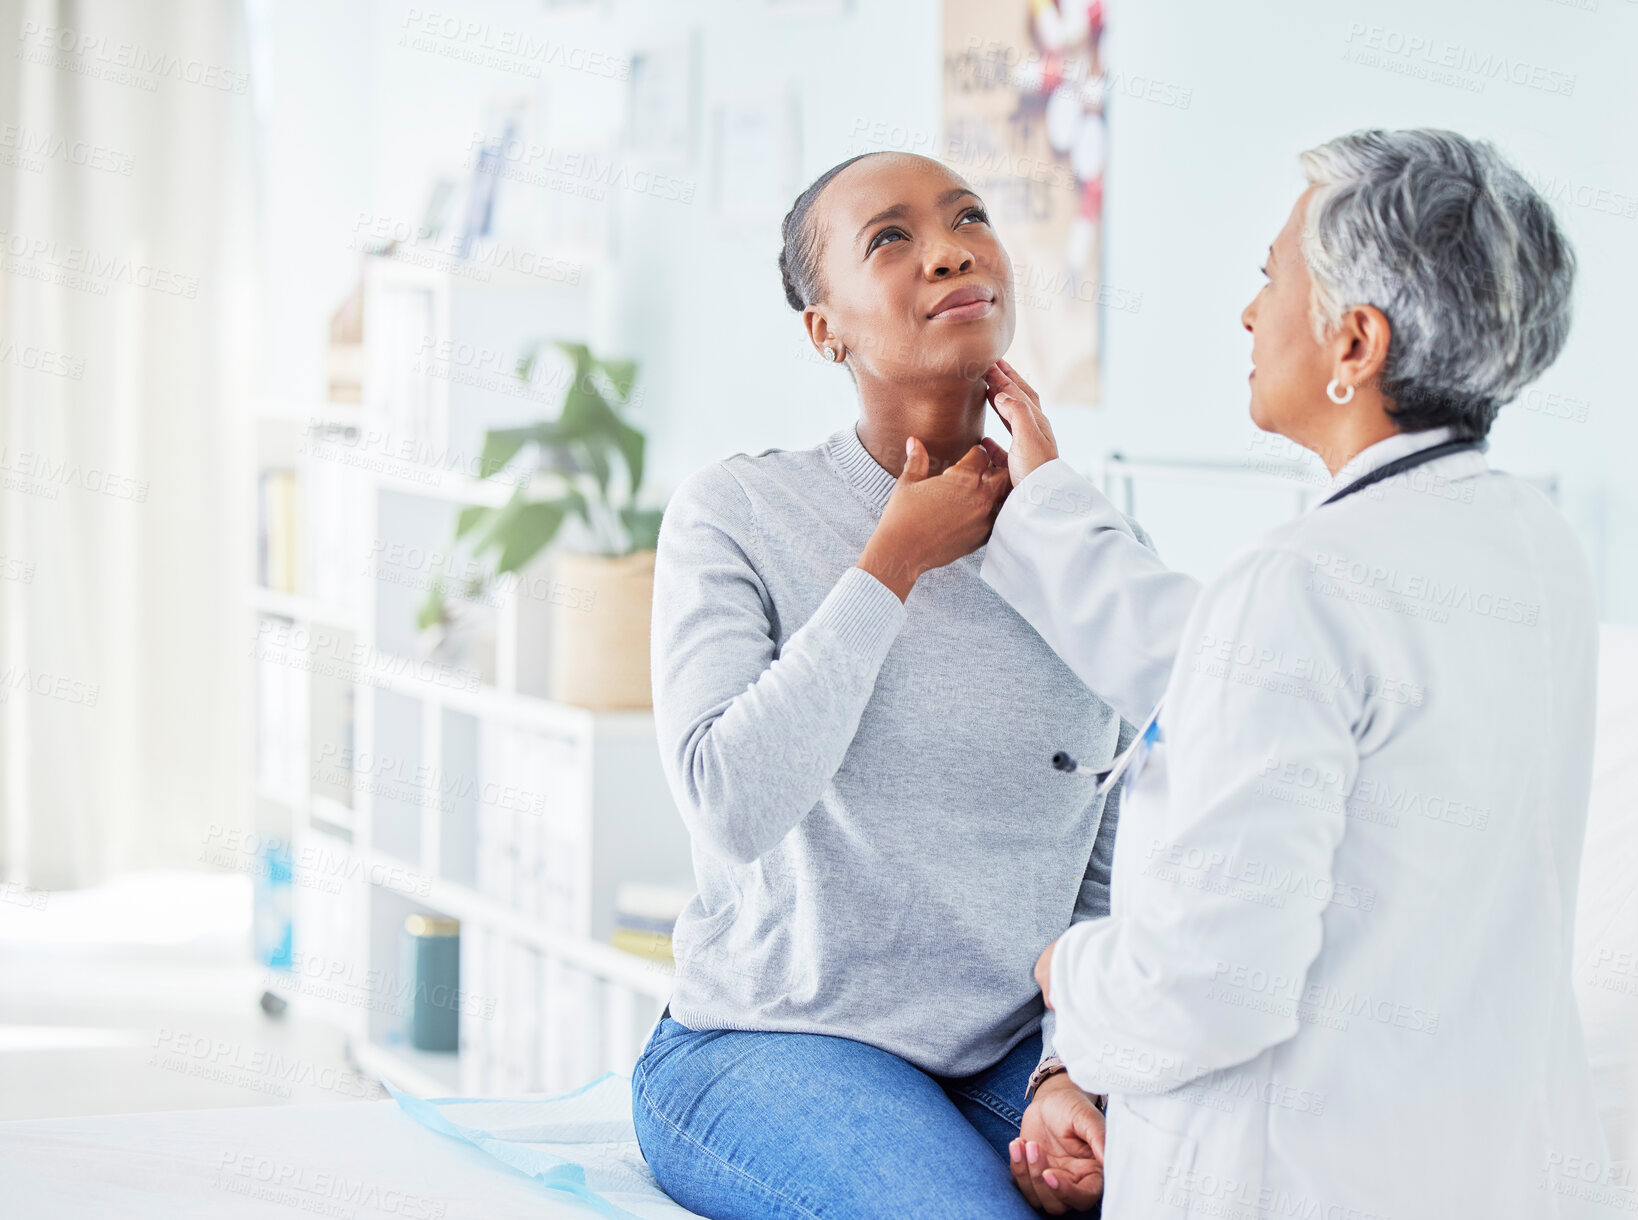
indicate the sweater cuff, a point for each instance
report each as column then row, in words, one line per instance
column 861, row 613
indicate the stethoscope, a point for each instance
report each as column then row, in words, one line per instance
column 1132, row 757
column 1110, row 776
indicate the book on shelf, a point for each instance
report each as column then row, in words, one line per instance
column 278, row 529
column 654, row 946
column 344, row 360
column 645, row 915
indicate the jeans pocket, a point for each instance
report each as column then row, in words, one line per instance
column 991, row 1101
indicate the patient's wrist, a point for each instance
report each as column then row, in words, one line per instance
column 884, row 561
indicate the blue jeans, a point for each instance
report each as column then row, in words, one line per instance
column 764, row 1126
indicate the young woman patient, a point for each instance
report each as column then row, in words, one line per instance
column 857, row 730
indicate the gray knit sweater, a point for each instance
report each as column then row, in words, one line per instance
column 881, row 846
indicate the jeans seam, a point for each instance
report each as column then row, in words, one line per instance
column 642, row 1090
column 998, row 1106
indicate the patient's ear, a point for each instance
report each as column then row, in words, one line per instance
column 819, row 331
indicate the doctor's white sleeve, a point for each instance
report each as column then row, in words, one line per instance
column 1222, row 881
column 1078, row 572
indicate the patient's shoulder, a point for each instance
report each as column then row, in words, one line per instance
column 752, row 477
column 733, row 491
column 776, row 466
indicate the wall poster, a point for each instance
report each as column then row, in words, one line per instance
column 1024, row 89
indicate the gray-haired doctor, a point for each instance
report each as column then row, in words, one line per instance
column 1335, row 977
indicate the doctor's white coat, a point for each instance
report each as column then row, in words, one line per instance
column 1335, row 978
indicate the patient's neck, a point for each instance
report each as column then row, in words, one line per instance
column 947, row 418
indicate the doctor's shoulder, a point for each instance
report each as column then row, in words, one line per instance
column 1284, row 549
column 1337, row 537
column 1274, row 621
column 1273, row 586
column 1565, row 565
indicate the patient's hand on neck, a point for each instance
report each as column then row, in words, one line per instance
column 947, row 418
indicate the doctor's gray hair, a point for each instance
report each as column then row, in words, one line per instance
column 1461, row 255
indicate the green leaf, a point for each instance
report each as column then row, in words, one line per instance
column 491, row 532
column 579, row 353
column 622, row 373
column 529, row 532
column 580, row 505
column 471, row 516
column 588, row 418
column 631, row 444
column 586, row 414
column 643, row 526
column 501, row 446
column 576, row 503
column 597, row 462
column 431, row 611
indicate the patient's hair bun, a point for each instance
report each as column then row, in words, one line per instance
column 793, row 294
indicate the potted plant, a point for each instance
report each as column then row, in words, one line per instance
column 598, row 602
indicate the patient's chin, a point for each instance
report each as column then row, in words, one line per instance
column 976, row 353
column 951, row 354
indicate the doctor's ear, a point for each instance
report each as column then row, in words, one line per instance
column 1361, row 345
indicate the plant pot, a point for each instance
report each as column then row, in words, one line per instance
column 600, row 630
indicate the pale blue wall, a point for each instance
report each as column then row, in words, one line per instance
column 1194, row 196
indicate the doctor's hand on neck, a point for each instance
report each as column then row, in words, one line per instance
column 1019, row 407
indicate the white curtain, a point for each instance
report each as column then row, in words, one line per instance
column 127, row 327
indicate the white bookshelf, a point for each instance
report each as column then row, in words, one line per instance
column 443, row 785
